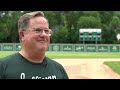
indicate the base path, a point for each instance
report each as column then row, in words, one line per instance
column 88, row 68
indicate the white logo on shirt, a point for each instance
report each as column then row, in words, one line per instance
column 22, row 76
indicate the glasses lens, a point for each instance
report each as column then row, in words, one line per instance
column 47, row 31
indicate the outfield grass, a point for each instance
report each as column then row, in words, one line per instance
column 115, row 65
column 5, row 53
column 73, row 54
column 83, row 55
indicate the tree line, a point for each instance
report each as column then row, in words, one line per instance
column 65, row 25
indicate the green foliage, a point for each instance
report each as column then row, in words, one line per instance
column 88, row 22
column 108, row 35
column 106, row 16
column 62, row 35
column 115, row 24
column 108, row 21
column 95, row 14
column 8, row 26
column 54, row 17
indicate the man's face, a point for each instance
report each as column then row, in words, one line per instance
column 33, row 38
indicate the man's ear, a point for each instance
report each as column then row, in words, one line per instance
column 21, row 33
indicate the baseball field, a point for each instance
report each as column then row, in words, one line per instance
column 86, row 65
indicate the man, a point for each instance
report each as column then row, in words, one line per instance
column 31, row 62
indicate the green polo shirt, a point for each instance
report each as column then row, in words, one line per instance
column 17, row 67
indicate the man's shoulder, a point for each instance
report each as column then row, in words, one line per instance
column 51, row 61
column 10, row 57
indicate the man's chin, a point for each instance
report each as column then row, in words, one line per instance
column 43, row 49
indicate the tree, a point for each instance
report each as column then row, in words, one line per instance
column 9, row 26
column 115, row 23
column 106, row 16
column 71, row 24
column 88, row 22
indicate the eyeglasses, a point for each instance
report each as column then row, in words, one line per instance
column 40, row 31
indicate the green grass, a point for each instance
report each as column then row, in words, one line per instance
column 82, row 55
column 5, row 53
column 115, row 65
column 74, row 54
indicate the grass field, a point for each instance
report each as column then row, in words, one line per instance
column 82, row 55
column 74, row 54
column 115, row 65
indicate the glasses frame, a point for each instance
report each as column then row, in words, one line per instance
column 38, row 30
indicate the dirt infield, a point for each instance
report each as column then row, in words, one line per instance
column 88, row 68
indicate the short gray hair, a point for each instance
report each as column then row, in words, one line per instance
column 23, row 22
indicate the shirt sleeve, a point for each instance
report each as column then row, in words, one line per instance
column 1, row 72
column 64, row 73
